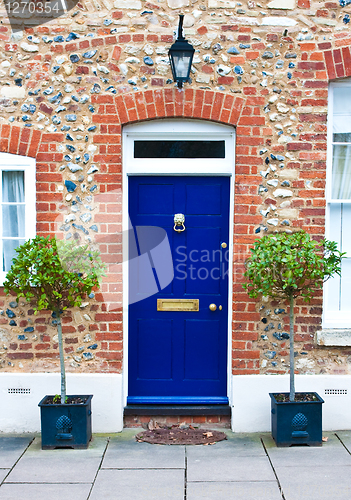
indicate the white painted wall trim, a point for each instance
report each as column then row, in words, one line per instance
column 251, row 404
column 334, row 337
column 20, row 412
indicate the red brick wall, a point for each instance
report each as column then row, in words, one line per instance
column 308, row 87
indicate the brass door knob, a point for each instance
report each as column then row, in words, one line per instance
column 213, row 307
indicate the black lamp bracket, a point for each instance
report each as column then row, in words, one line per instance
column 180, row 27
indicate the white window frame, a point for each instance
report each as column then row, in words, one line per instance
column 333, row 318
column 27, row 165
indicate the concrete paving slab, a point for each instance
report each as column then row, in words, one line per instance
column 205, row 465
column 331, row 453
column 315, row 483
column 3, row 474
column 11, row 448
column 236, row 445
column 139, row 484
column 345, row 438
column 242, row 444
column 267, row 490
column 134, row 455
column 58, row 466
column 44, row 491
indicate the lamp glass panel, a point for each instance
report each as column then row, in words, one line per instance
column 181, row 65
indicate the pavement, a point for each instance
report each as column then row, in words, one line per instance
column 245, row 466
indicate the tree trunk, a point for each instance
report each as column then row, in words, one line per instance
column 292, row 357
column 62, row 361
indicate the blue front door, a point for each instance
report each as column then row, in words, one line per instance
column 178, row 354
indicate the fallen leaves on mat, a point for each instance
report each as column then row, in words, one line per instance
column 181, row 436
column 152, row 425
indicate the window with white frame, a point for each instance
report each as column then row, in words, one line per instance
column 337, row 290
column 17, row 205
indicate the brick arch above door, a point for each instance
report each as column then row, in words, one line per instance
column 245, row 112
column 200, row 104
column 167, row 103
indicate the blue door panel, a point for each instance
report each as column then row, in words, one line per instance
column 202, row 350
column 203, row 263
column 154, row 342
column 178, row 356
column 142, row 276
column 155, row 199
column 154, row 251
column 203, row 199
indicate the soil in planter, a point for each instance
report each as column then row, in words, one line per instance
column 176, row 435
column 70, row 400
column 300, row 397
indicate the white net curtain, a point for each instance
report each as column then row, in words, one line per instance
column 13, row 214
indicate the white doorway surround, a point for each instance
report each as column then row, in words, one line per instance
column 176, row 129
column 180, row 130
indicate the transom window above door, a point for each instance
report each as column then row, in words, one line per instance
column 161, row 146
column 179, row 149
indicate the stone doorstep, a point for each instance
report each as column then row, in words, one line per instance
column 203, row 416
column 150, row 409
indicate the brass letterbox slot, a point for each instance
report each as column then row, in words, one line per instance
column 177, row 304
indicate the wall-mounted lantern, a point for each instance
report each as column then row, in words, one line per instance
column 181, row 56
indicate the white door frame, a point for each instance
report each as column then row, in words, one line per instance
column 183, row 129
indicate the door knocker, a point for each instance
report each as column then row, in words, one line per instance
column 179, row 220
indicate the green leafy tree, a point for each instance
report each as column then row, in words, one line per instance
column 287, row 266
column 53, row 274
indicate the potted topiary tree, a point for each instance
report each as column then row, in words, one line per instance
column 286, row 266
column 54, row 275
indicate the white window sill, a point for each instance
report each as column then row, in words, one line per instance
column 334, row 337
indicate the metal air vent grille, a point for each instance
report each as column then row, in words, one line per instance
column 18, row 391
column 335, row 392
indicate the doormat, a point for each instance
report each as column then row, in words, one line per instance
column 176, row 435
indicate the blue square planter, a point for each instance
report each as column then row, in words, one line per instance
column 65, row 425
column 297, row 423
